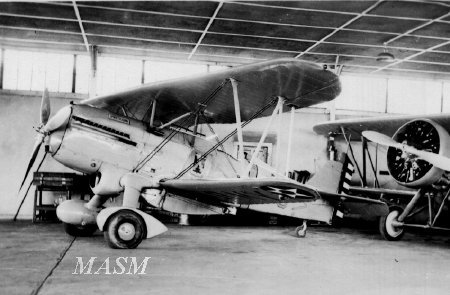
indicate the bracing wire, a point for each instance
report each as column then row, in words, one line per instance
column 201, row 106
column 201, row 158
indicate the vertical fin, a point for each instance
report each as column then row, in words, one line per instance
column 346, row 176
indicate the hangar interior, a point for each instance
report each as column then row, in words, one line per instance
column 82, row 49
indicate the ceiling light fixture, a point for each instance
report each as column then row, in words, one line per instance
column 385, row 56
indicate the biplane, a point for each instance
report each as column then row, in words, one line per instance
column 144, row 145
column 417, row 150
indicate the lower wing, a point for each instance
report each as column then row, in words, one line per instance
column 250, row 191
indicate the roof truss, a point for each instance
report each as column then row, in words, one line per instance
column 236, row 32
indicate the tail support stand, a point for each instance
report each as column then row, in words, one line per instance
column 301, row 230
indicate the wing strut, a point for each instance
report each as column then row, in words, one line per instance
column 216, row 137
column 152, row 115
column 254, row 116
column 278, row 108
column 237, row 111
column 174, row 121
column 291, row 128
column 201, row 107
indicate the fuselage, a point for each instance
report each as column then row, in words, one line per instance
column 95, row 141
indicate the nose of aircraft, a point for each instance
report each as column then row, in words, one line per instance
column 60, row 119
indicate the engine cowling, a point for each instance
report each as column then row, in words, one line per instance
column 422, row 134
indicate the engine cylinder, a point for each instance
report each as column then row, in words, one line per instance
column 422, row 134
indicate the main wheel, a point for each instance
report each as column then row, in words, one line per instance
column 125, row 229
column 387, row 229
column 78, row 230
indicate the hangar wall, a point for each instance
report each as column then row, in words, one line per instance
column 19, row 112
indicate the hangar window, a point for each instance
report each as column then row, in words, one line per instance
column 159, row 71
column 446, row 97
column 83, row 67
column 414, row 96
column 114, row 74
column 25, row 70
column 362, row 94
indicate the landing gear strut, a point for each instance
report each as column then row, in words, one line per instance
column 125, row 229
column 300, row 231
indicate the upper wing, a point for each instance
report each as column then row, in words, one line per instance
column 301, row 83
column 250, row 191
column 387, row 124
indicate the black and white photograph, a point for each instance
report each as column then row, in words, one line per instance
column 225, row 147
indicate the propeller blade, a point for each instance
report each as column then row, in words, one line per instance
column 36, row 148
column 432, row 158
column 45, row 107
column 382, row 139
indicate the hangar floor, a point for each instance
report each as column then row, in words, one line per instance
column 40, row 259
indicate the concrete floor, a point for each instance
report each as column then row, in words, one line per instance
column 40, row 259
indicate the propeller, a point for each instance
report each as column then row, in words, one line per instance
column 45, row 107
column 432, row 158
column 37, row 145
column 47, row 126
column 45, row 114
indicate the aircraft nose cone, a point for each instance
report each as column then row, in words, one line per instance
column 54, row 129
column 60, row 119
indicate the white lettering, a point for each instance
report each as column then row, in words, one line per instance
column 136, row 268
column 122, row 263
column 82, row 268
column 119, row 264
column 106, row 267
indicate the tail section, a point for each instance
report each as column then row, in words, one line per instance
column 346, row 176
column 333, row 176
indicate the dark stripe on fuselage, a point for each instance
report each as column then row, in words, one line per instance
column 120, row 136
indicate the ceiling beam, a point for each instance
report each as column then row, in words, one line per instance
column 262, row 4
column 129, row 10
column 365, row 12
column 225, row 34
column 417, row 28
column 217, row 45
column 230, row 46
column 223, row 19
column 402, row 70
column 411, row 56
column 80, row 22
column 186, row 43
column 210, row 22
column 254, row 4
column 247, row 3
column 200, row 42
column 231, row 57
